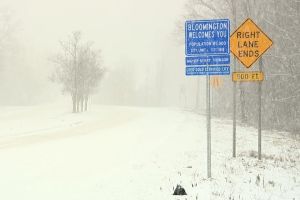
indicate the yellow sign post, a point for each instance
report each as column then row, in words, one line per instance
column 216, row 82
column 249, row 42
column 247, row 76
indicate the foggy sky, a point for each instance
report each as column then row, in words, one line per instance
column 134, row 31
column 131, row 28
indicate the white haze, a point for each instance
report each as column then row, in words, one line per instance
column 136, row 36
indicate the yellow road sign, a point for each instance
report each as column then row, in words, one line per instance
column 247, row 76
column 249, row 42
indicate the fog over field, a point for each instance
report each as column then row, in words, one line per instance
column 136, row 39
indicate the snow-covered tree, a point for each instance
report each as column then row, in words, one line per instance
column 79, row 69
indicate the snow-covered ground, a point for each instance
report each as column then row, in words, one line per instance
column 114, row 153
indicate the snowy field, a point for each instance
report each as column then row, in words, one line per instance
column 118, row 153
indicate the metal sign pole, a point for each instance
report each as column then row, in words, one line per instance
column 234, row 115
column 208, row 118
column 208, row 125
column 240, row 44
column 259, row 109
column 211, row 58
column 234, row 92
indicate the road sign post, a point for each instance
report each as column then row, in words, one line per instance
column 234, row 115
column 248, row 43
column 208, row 126
column 234, row 90
column 207, row 51
column 259, row 110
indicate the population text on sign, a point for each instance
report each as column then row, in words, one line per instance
column 207, row 37
column 249, row 42
column 247, row 76
column 208, row 60
column 207, row 70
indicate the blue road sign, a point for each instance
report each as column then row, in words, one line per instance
column 208, row 60
column 207, row 37
column 207, row 70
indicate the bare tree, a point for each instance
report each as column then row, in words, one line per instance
column 7, row 26
column 79, row 69
column 90, row 73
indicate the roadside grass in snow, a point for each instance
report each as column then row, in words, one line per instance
column 275, row 177
column 246, row 178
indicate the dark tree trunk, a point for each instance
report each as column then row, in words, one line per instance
column 243, row 103
column 81, row 103
column 243, row 107
column 77, row 103
column 74, row 103
column 86, row 103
